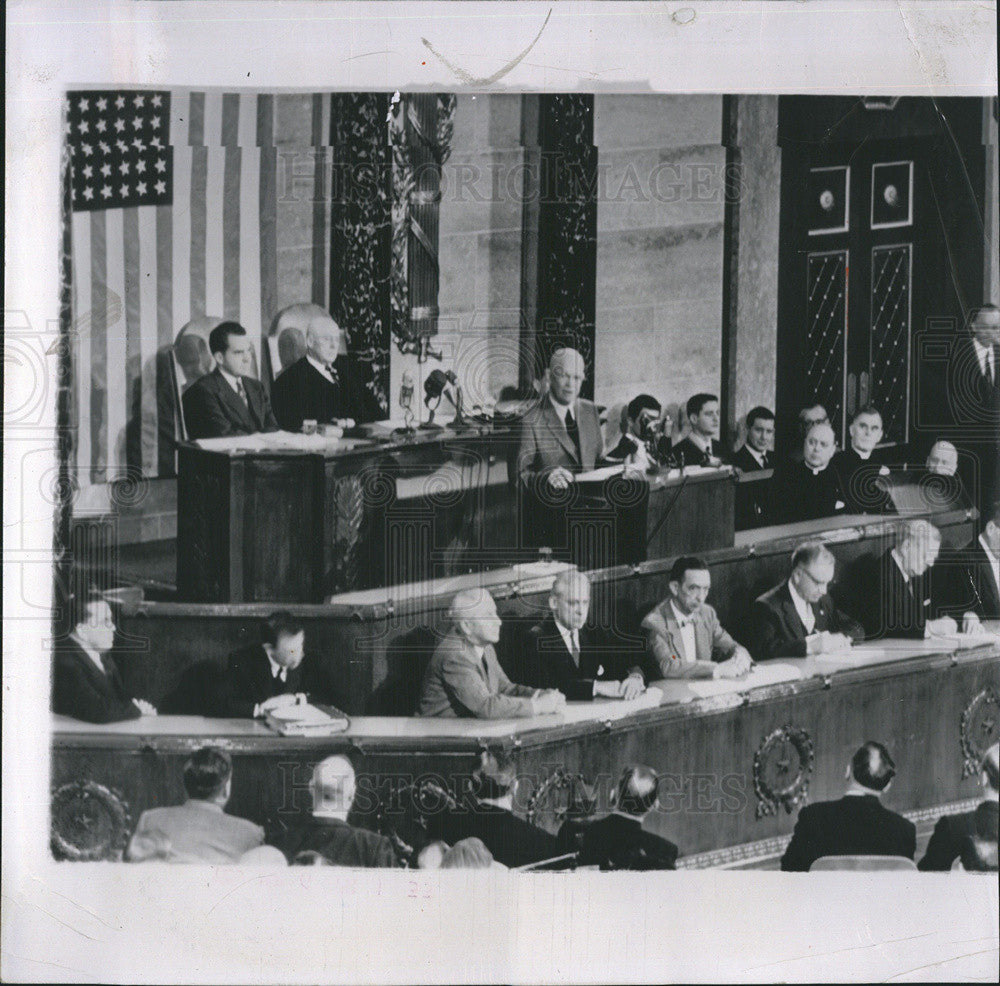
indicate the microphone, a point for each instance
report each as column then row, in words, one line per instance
column 406, row 400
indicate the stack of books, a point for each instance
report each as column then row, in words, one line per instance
column 307, row 720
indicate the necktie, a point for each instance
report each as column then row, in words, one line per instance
column 574, row 649
column 574, row 433
column 241, row 391
column 281, row 674
column 486, row 668
column 331, row 369
column 991, row 372
column 763, row 460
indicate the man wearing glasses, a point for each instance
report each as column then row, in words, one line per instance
column 798, row 617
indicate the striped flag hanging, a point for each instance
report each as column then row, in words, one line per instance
column 174, row 217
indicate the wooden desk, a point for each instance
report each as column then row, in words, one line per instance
column 931, row 704
column 377, row 641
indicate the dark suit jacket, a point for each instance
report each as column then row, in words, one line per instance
column 951, row 832
column 972, row 402
column 620, row 843
column 550, row 664
column 856, row 825
column 513, row 841
column 301, row 392
column 686, row 452
column 248, row 681
column 745, row 462
column 859, row 479
column 776, row 630
column 887, row 604
column 340, row 843
column 545, row 443
column 212, row 409
column 80, row 690
column 965, row 582
column 754, row 500
column 800, row 495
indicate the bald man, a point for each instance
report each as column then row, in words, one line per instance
column 332, row 788
column 811, row 488
column 942, row 460
column 464, row 677
column 566, row 654
column 320, row 386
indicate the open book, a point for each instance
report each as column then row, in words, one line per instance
column 307, row 720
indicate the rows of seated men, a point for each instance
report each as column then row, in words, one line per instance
column 912, row 590
column 476, row 827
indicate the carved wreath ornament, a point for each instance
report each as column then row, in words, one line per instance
column 980, row 728
column 781, row 769
column 89, row 822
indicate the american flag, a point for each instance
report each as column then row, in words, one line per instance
column 174, row 216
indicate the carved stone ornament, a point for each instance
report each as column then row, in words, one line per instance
column 781, row 769
column 980, row 729
column 565, row 794
column 89, row 822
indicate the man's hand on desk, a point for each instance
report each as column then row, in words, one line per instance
column 560, row 478
column 971, row 623
column 146, row 708
column 548, row 701
column 738, row 666
column 825, row 642
column 278, row 702
column 943, row 626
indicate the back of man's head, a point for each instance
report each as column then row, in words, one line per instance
column 332, row 785
column 991, row 767
column 494, row 775
column 872, row 766
column 467, row 854
column 206, row 774
column 637, row 790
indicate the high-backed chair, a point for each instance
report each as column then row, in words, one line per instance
column 863, row 863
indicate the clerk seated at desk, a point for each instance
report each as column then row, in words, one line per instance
column 896, row 595
column 86, row 682
column 798, row 617
column 321, row 385
column 464, row 677
column 228, row 401
column 701, row 447
column 684, row 635
column 566, row 654
column 273, row 673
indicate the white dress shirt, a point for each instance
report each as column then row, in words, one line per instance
column 805, row 611
column 277, row 670
column 687, row 635
column 571, row 638
column 758, row 456
column 985, row 356
column 94, row 655
column 320, row 368
column 561, row 410
column 233, row 382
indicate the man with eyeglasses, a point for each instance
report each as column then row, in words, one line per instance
column 798, row 617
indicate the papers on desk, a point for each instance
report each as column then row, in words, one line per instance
column 607, row 709
column 599, row 475
column 271, row 440
column 963, row 641
column 760, row 674
column 853, row 655
column 307, row 720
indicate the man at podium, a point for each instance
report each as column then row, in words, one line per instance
column 228, row 401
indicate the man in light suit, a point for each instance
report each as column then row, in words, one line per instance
column 566, row 654
column 464, row 677
column 798, row 617
column 856, row 825
column 86, row 682
column 683, row 633
column 198, row 831
column 952, row 832
column 321, row 386
column 228, row 401
column 276, row 672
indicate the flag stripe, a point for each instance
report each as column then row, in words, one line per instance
column 251, row 316
column 131, row 267
column 231, row 232
column 149, row 336
column 268, row 233
column 83, row 328
column 213, row 200
column 199, row 168
column 265, row 121
column 231, row 119
column 99, row 347
column 116, row 349
column 212, row 129
column 247, row 132
column 164, row 245
column 181, row 256
column 196, row 120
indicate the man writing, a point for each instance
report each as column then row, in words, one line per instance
column 683, row 632
column 464, row 677
column 798, row 617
